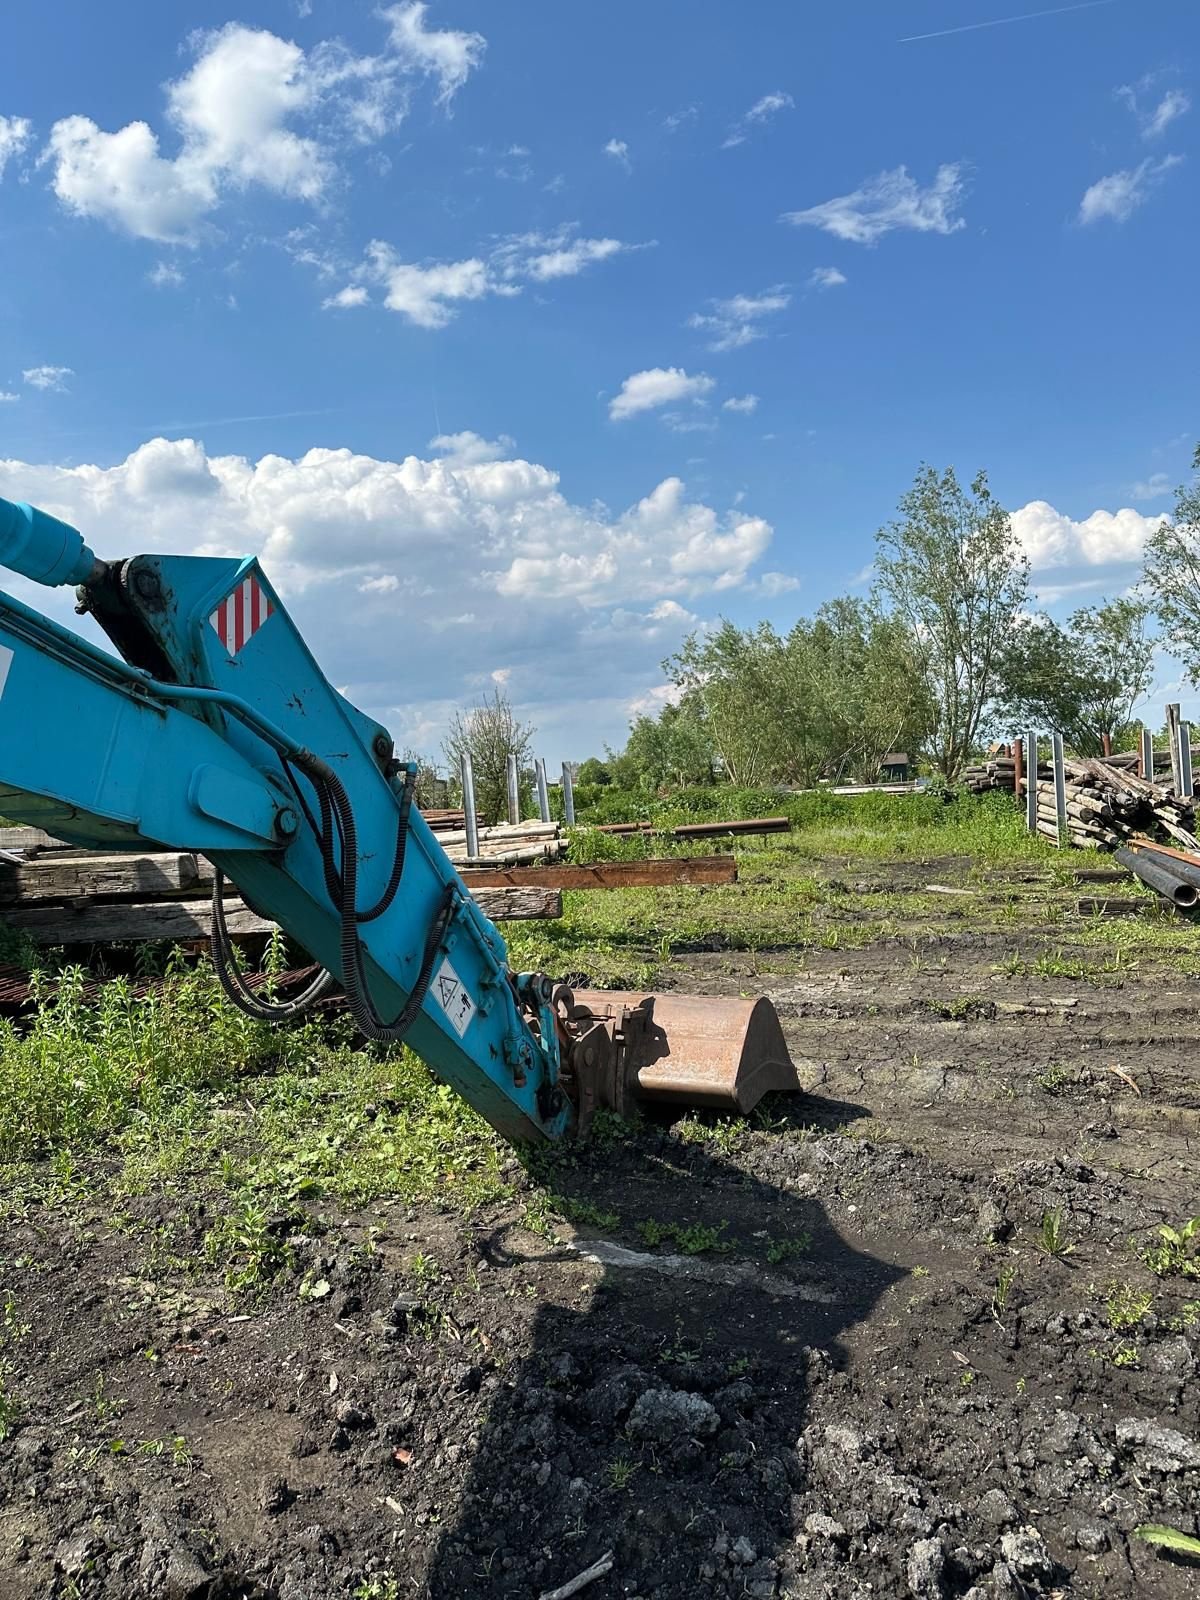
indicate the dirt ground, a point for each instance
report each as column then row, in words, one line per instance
column 894, row 1337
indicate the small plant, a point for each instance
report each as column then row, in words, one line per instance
column 1164, row 1538
column 1127, row 1306
column 1054, row 1080
column 619, row 1472
column 1125, row 1355
column 1179, row 1252
column 920, row 1272
column 784, row 1249
column 424, row 1268
column 694, row 1240
column 1052, row 1236
column 10, row 1411
column 1004, row 1282
column 385, row 1587
column 967, row 1378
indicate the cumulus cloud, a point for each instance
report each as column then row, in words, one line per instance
column 738, row 321
column 7, row 397
column 890, row 200
column 238, row 116
column 619, row 151
column 1051, row 539
column 1119, row 195
column 1156, row 487
column 658, row 386
column 467, row 449
column 15, row 134
column 47, row 377
column 745, row 403
column 446, row 54
column 761, row 111
column 165, row 275
column 427, row 294
column 826, row 278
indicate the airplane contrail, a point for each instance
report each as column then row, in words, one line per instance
column 1000, row 22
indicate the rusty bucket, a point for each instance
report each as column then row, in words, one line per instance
column 705, row 1050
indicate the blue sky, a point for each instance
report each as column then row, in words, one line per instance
column 518, row 340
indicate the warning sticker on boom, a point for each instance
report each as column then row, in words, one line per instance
column 448, row 990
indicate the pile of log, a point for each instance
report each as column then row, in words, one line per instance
column 56, row 895
column 997, row 772
column 508, row 844
column 1108, row 804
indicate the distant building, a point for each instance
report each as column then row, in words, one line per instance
column 896, row 767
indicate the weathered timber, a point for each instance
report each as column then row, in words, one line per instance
column 703, row 830
column 1108, row 906
column 1101, row 875
column 608, row 874
column 89, row 922
column 27, row 839
column 68, row 877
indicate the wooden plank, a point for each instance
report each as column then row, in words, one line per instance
column 26, row 839
column 68, row 877
column 1098, row 906
column 89, row 922
column 609, row 874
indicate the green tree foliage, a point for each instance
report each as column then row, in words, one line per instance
column 425, row 791
column 951, row 569
column 489, row 732
column 593, row 772
column 672, row 750
column 1172, row 574
column 1083, row 678
column 828, row 699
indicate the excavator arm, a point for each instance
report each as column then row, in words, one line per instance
column 216, row 731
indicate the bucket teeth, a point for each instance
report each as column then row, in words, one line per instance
column 698, row 1050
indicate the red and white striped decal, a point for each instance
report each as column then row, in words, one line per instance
column 241, row 614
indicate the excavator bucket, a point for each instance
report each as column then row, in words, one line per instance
column 701, row 1050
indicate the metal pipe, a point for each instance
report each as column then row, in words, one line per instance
column 1173, row 735
column 1171, row 861
column 568, row 789
column 1154, row 874
column 1031, row 780
column 514, row 791
column 543, row 792
column 1018, row 749
column 470, row 820
column 1060, row 784
column 1146, row 749
column 1185, row 758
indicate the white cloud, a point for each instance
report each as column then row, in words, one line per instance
column 676, row 119
column 826, row 278
column 773, row 584
column 761, row 111
column 738, row 321
column 1051, row 539
column 15, row 134
column 1120, row 194
column 468, row 449
column 427, row 294
column 447, row 54
column 1158, row 117
column 651, row 702
column 500, row 675
column 237, row 115
column 7, row 397
column 1156, row 487
column 745, row 403
column 354, row 294
column 47, row 377
column 890, row 200
column 165, row 275
column 658, row 386
column 461, row 531
column 619, row 150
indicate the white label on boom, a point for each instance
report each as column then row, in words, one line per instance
column 453, row 998
column 6, row 656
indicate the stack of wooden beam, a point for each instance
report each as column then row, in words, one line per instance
column 56, row 895
column 509, row 844
column 997, row 772
column 1107, row 805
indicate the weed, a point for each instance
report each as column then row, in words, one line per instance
column 920, row 1272
column 1054, row 1079
column 424, row 1268
column 967, row 1378
column 784, row 1249
column 1125, row 1355
column 1004, row 1282
column 248, row 1242
column 1052, row 1238
column 384, row 1587
column 1178, row 1254
column 1164, row 1538
column 1127, row 1306
column 10, row 1406
column 619, row 1472
column 694, row 1240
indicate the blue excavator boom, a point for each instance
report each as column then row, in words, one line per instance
column 216, row 731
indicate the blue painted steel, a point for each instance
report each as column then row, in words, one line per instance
column 41, row 547
column 101, row 753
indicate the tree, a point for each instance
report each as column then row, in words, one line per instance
column 952, row 570
column 1172, row 574
column 425, row 790
column 737, row 683
column 489, row 733
column 673, row 750
column 593, row 771
column 1083, row 679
